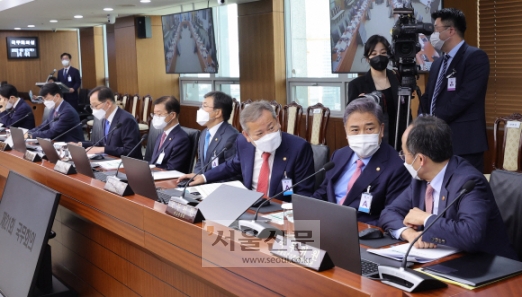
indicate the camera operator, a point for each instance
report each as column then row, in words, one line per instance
column 379, row 78
column 456, row 89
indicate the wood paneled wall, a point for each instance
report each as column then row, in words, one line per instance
column 93, row 66
column 111, row 56
column 23, row 74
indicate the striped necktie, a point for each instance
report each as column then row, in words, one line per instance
column 438, row 86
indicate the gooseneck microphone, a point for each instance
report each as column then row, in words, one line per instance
column 74, row 127
column 50, row 75
column 8, row 113
column 131, row 151
column 43, row 126
column 105, row 137
column 192, row 201
column 408, row 279
column 20, row 119
column 264, row 230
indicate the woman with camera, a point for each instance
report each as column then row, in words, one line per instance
column 379, row 78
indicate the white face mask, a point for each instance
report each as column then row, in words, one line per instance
column 436, row 42
column 49, row 104
column 364, row 145
column 202, row 117
column 9, row 105
column 412, row 170
column 99, row 113
column 159, row 122
column 65, row 63
column 269, row 142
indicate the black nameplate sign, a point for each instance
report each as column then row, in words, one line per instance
column 32, row 156
column 116, row 186
column 4, row 147
column 185, row 212
column 301, row 254
column 64, row 167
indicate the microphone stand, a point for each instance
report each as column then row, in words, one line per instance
column 74, row 127
column 131, row 151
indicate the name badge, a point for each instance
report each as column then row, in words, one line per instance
column 287, row 186
column 215, row 163
column 366, row 201
column 452, row 84
column 160, row 158
column 69, row 79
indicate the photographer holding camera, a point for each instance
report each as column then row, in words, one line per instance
column 456, row 89
column 379, row 78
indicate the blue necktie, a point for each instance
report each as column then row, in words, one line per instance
column 205, row 148
column 438, row 86
column 107, row 127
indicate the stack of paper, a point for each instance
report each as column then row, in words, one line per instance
column 207, row 189
column 416, row 255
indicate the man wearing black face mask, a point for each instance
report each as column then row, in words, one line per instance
column 378, row 78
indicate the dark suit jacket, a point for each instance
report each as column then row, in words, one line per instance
column 224, row 135
column 365, row 84
column 385, row 173
column 294, row 156
column 75, row 83
column 68, row 117
column 177, row 151
column 20, row 111
column 464, row 108
column 473, row 224
column 123, row 140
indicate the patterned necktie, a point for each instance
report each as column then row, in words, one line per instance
column 162, row 140
column 264, row 173
column 438, row 86
column 107, row 127
column 429, row 199
column 205, row 148
column 354, row 177
column 65, row 72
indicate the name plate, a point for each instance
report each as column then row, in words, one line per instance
column 4, row 147
column 32, row 156
column 301, row 254
column 116, row 186
column 184, row 212
column 64, row 167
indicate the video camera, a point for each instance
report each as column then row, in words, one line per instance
column 405, row 44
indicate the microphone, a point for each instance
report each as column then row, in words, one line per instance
column 263, row 230
column 130, row 153
column 104, row 137
column 20, row 119
column 40, row 128
column 74, row 127
column 192, row 201
column 408, row 279
column 8, row 113
column 52, row 73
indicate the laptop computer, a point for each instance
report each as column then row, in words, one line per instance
column 49, row 150
column 339, row 235
column 83, row 164
column 18, row 139
column 141, row 181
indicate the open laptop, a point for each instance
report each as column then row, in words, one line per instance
column 49, row 150
column 141, row 181
column 83, row 164
column 339, row 235
column 18, row 139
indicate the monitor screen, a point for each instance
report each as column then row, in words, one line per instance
column 189, row 43
column 352, row 22
column 22, row 48
column 27, row 213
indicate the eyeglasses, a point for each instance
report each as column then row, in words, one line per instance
column 206, row 106
column 402, row 155
column 96, row 106
column 159, row 115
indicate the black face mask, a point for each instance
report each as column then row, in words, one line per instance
column 379, row 62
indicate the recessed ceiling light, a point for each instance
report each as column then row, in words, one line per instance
column 145, row 1
column 78, row 16
column 53, row 21
column 30, row 26
column 18, row 28
column 108, row 9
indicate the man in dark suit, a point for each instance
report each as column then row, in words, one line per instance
column 70, row 77
column 265, row 156
column 121, row 140
column 382, row 176
column 457, row 84
column 16, row 109
column 473, row 224
column 214, row 114
column 172, row 149
column 66, row 117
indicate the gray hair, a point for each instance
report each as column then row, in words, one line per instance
column 253, row 112
column 363, row 105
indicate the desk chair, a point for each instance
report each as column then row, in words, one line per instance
column 507, row 154
column 194, row 139
column 317, row 117
column 291, row 118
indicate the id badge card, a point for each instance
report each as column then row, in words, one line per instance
column 69, row 79
column 287, row 186
column 160, row 158
column 215, row 162
column 452, row 84
column 366, row 202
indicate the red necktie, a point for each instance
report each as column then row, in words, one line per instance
column 354, row 177
column 429, row 199
column 162, row 140
column 264, row 173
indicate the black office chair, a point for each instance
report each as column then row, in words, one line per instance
column 96, row 130
column 321, row 157
column 194, row 139
column 151, row 142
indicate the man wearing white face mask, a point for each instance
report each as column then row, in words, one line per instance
column 456, row 89
column 15, row 109
column 66, row 116
column 368, row 174
column 70, row 77
column 172, row 147
column 265, row 156
column 117, row 141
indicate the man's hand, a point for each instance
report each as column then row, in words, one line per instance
column 96, row 149
column 409, row 235
column 415, row 217
column 75, row 143
column 197, row 181
column 71, row 90
column 186, row 176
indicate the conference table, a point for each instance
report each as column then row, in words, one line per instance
column 108, row 245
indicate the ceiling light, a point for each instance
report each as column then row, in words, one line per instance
column 78, row 16
column 18, row 28
column 30, row 26
column 145, row 1
column 108, row 9
column 53, row 21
